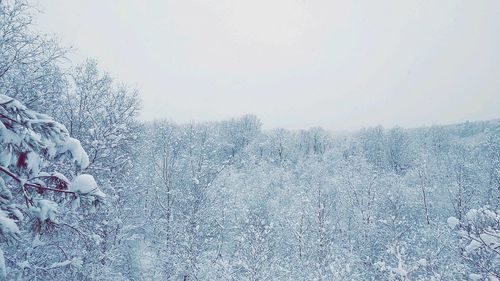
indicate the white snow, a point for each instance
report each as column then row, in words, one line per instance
column 422, row 262
column 36, row 241
column 473, row 245
column 77, row 262
column 77, row 152
column 83, row 184
column 475, row 277
column 7, row 225
column 471, row 215
column 86, row 185
column 3, row 269
column 452, row 222
column 490, row 239
column 5, row 156
column 33, row 162
column 61, row 177
column 44, row 209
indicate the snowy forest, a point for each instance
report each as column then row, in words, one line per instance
column 90, row 192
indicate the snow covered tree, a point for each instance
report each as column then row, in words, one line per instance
column 373, row 142
column 399, row 152
column 30, row 193
column 491, row 148
column 479, row 232
column 102, row 113
column 29, row 61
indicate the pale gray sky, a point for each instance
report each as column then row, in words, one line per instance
column 294, row 63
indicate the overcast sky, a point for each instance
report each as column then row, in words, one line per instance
column 294, row 63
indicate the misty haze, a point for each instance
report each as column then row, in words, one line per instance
column 249, row 140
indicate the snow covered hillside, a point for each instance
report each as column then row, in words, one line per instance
column 90, row 192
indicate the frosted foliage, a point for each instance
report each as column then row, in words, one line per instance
column 479, row 232
column 29, row 197
column 79, row 155
column 8, row 226
column 3, row 268
column 44, row 209
column 36, row 137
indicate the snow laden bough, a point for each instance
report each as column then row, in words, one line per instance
column 479, row 232
column 29, row 143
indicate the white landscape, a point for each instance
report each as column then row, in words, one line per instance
column 97, row 182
